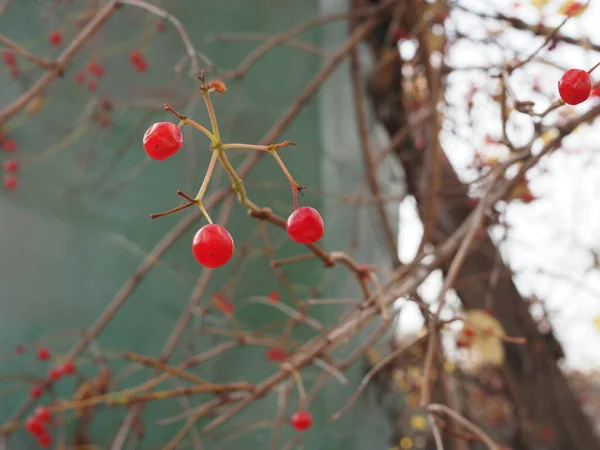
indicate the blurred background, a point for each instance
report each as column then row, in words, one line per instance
column 401, row 112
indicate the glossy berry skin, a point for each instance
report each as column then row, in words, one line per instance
column 68, row 368
column 10, row 165
column 54, row 374
column 35, row 427
column 42, row 414
column 305, row 225
column 36, row 392
column 212, row 246
column 55, row 38
column 45, row 440
column 575, row 86
column 301, row 420
column 162, row 140
column 43, row 354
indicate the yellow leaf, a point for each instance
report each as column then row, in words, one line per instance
column 490, row 349
column 539, row 4
column 406, row 443
column 597, row 322
column 487, row 336
column 483, row 323
column 418, row 422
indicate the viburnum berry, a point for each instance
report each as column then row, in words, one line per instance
column 575, row 86
column 275, row 354
column 35, row 427
column 43, row 354
column 301, row 420
column 161, row 26
column 9, row 146
column 142, row 66
column 273, row 296
column 36, row 391
column 55, row 38
column 10, row 183
column 79, row 77
column 54, row 374
column 305, row 225
column 595, row 92
column 42, row 414
column 45, row 440
column 212, row 246
column 9, row 58
column 135, row 57
column 162, row 140
column 68, row 368
column 10, row 165
column 19, row 349
column 95, row 69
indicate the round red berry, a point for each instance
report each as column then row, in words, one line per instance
column 79, row 77
column 212, row 246
column 43, row 354
column 575, row 86
column 54, row 374
column 136, row 57
column 9, row 58
column 595, row 92
column 95, row 69
column 34, row 427
column 9, row 146
column 305, row 225
column 141, row 66
column 275, row 354
column 274, row 296
column 162, row 140
column 36, row 391
column 301, row 420
column 10, row 165
column 55, row 38
column 10, row 183
column 45, row 440
column 68, row 368
column 42, row 414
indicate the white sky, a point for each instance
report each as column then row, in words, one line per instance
column 552, row 233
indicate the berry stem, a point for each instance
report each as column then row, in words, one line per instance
column 237, row 182
column 210, row 109
column 298, row 380
column 266, row 148
column 186, row 121
column 170, row 211
column 295, row 186
column 594, row 68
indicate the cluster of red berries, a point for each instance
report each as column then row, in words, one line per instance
column 54, row 374
column 575, row 87
column 10, row 166
column 212, row 245
column 36, row 426
column 138, row 61
column 55, row 38
column 95, row 69
column 10, row 61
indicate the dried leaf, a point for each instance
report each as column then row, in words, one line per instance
column 490, row 349
column 572, row 8
column 539, row 4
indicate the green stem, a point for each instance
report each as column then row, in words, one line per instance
column 201, row 128
column 237, row 182
column 211, row 114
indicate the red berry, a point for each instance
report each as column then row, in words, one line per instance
column 162, row 140
column 575, row 86
column 68, row 368
column 595, row 92
column 96, row 69
column 142, row 66
column 10, row 182
column 43, row 354
column 468, row 332
column 42, row 414
column 305, row 225
column 275, row 354
column 274, row 297
column 301, row 420
column 36, row 391
column 55, row 38
column 92, row 86
column 79, row 77
column 9, row 146
column 161, row 26
column 35, row 427
column 9, row 58
column 19, row 349
column 573, row 8
column 45, row 440
column 10, row 165
column 136, row 57
column 212, row 246
column 54, row 374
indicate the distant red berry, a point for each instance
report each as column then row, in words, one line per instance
column 92, row 86
column 301, row 420
column 162, row 140
column 19, row 349
column 9, row 146
column 275, row 354
column 36, row 391
column 95, row 69
column 43, row 354
column 161, row 26
column 468, row 332
column 79, row 77
column 42, row 414
column 142, row 66
column 10, row 165
column 575, row 86
column 573, row 8
column 10, row 182
column 55, row 38
column 54, row 374
column 136, row 57
column 212, row 246
column 68, row 368
column 45, row 440
column 527, row 197
column 595, row 92
column 35, row 427
column 305, row 225
column 274, row 296
column 9, row 58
